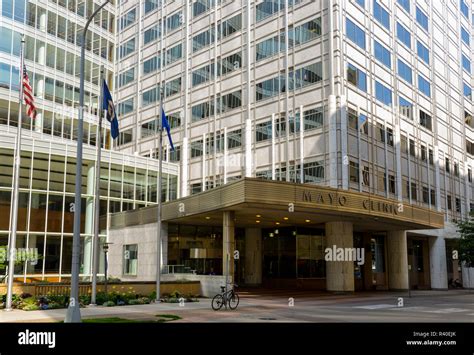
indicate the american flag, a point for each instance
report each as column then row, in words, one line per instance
column 28, row 95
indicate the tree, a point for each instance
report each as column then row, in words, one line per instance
column 466, row 242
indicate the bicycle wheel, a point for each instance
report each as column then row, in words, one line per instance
column 233, row 301
column 217, row 302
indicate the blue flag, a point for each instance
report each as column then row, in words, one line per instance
column 166, row 125
column 108, row 104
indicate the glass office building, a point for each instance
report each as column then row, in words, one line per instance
column 370, row 97
column 53, row 31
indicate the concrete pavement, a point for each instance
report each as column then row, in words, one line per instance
column 292, row 306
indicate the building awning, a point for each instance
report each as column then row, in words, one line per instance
column 264, row 203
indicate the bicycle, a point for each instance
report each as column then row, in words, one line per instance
column 230, row 298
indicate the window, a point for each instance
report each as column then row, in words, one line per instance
column 313, row 172
column 423, row 52
column 202, row 40
column 234, row 139
column 125, row 137
column 391, row 184
column 421, row 18
column 424, row 86
column 151, row 65
column 150, row 96
column 126, row 48
column 305, row 76
column 412, row 148
column 403, row 35
column 175, row 155
column 381, row 15
column 405, row 108
column 469, row 147
column 130, row 259
column 127, row 19
column 366, row 176
column 230, row 101
column 307, row 31
column 446, row 163
column 174, row 53
column 413, row 191
column 269, row 47
column 151, row 5
column 390, row 137
column 423, row 152
column 449, row 202
column 458, row 204
column 469, row 175
column 464, row 8
column 357, row 77
column 230, row 26
column 404, row 71
column 230, row 63
column 467, row 91
column 202, row 110
column 269, row 88
column 405, row 4
column 456, row 169
column 383, row 94
column 425, row 195
column 313, row 119
column 382, row 54
column 466, row 64
column 353, row 172
column 173, row 87
column 263, row 131
column 196, row 149
column 174, row 21
column 126, row 106
column 203, row 74
column 465, row 36
column 430, row 156
column 201, row 6
column 152, row 34
column 126, row 77
column 196, row 188
column 361, row 3
column 425, row 120
column 355, row 33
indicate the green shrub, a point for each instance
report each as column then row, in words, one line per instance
column 109, row 304
column 30, row 307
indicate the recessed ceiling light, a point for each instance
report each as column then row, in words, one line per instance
column 257, row 221
column 285, row 218
column 277, row 223
column 258, row 216
column 207, row 217
column 307, row 220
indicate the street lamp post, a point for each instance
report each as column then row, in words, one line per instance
column 73, row 314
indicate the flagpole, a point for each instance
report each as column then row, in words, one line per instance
column 95, row 247
column 16, row 187
column 160, row 172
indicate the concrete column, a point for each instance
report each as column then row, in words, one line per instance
column 339, row 274
column 332, row 140
column 38, row 122
column 184, row 168
column 89, row 222
column 253, row 256
column 40, row 88
column 438, row 269
column 228, row 243
column 397, row 256
column 42, row 22
column 164, row 244
column 41, row 53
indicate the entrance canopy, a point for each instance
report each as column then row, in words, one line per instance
column 263, row 203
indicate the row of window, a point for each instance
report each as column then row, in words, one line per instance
column 58, row 26
column 297, row 79
column 225, row 103
column 224, row 29
column 171, row 55
column 296, row 36
column 172, row 87
column 224, row 66
column 173, row 22
column 234, row 140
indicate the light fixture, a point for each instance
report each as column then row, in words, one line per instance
column 257, row 221
column 270, row 235
column 207, row 217
column 285, row 218
column 276, row 231
column 258, row 216
column 277, row 223
column 307, row 220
